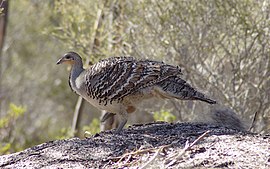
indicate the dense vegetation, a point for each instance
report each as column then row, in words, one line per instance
column 222, row 46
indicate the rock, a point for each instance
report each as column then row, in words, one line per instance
column 153, row 145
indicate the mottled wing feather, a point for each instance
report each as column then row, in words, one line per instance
column 176, row 87
column 102, row 75
column 147, row 73
column 114, row 78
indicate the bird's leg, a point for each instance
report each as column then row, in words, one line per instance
column 121, row 125
column 106, row 116
column 107, row 121
column 123, row 116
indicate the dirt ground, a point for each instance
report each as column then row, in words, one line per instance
column 153, row 145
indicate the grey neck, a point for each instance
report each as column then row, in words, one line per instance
column 76, row 70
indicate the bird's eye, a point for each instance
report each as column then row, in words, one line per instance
column 67, row 57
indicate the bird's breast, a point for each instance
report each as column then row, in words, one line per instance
column 113, row 107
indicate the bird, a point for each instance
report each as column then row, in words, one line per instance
column 118, row 84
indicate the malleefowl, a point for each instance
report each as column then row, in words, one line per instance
column 119, row 84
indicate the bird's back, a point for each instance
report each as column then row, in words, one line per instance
column 114, row 78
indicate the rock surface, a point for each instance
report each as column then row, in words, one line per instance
column 153, row 145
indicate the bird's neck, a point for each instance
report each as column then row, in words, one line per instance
column 75, row 72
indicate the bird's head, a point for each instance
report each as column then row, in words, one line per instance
column 70, row 58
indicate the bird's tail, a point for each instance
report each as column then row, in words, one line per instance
column 202, row 97
column 175, row 87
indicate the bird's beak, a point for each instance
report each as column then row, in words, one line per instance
column 60, row 61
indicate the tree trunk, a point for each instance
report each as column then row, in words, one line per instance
column 3, row 25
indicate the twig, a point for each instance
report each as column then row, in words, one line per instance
column 152, row 158
column 76, row 115
column 157, row 152
column 129, row 157
column 198, row 139
column 132, row 153
column 253, row 121
column 186, row 148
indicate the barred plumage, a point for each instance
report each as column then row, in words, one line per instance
column 118, row 84
column 117, row 77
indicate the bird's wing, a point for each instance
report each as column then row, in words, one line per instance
column 114, row 78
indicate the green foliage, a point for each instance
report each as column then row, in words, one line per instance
column 65, row 133
column 94, row 126
column 74, row 23
column 5, row 147
column 76, row 26
column 90, row 27
column 164, row 115
column 7, row 125
column 13, row 114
